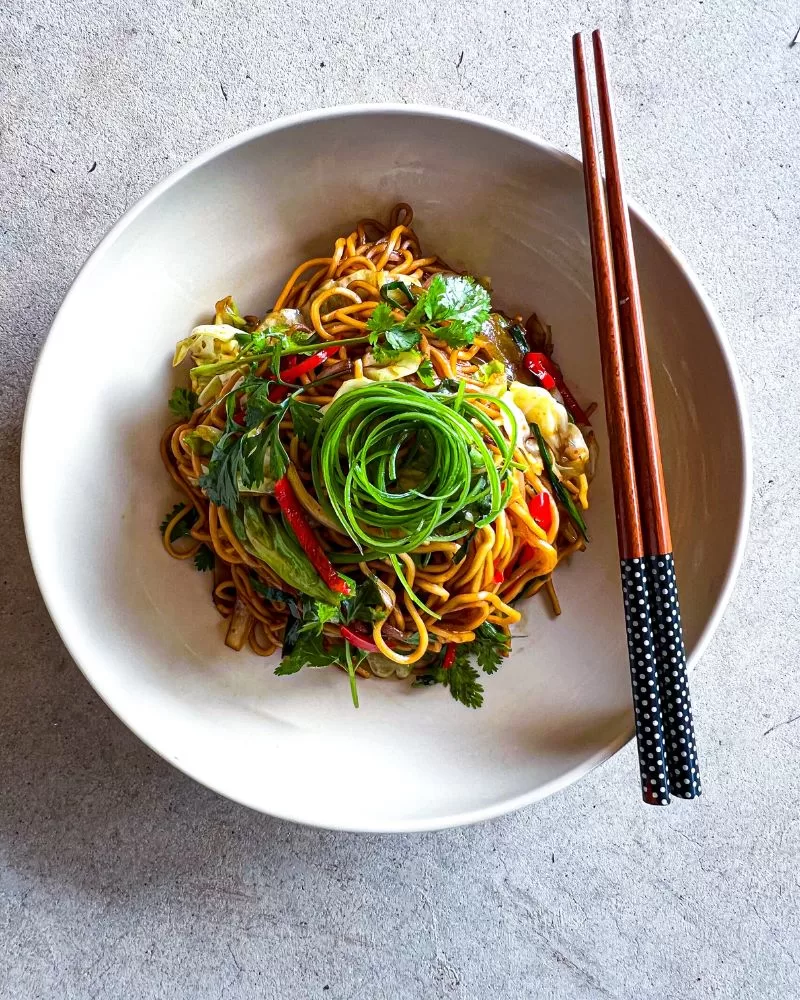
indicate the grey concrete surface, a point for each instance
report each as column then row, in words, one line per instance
column 122, row 878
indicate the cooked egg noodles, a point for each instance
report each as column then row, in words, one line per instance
column 379, row 469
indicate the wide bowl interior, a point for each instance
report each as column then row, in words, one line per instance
column 141, row 626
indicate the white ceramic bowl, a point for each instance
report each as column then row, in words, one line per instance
column 141, row 626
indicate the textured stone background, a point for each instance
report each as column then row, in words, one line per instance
column 120, row 877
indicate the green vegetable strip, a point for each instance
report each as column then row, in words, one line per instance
column 351, row 670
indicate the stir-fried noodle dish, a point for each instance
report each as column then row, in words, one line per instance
column 377, row 472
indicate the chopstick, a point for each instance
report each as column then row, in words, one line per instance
column 656, row 653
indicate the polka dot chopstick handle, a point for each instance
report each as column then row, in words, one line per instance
column 642, row 655
column 684, row 774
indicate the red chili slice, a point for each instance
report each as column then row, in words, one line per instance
column 537, row 365
column 498, row 576
column 307, row 364
column 449, row 656
column 278, row 393
column 541, row 510
column 549, row 374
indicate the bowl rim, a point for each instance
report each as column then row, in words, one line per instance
column 71, row 637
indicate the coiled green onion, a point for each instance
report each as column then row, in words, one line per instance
column 397, row 466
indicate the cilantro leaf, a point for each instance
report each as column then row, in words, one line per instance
column 365, row 605
column 401, row 339
column 221, row 480
column 278, row 456
column 455, row 297
column 386, row 355
column 456, row 333
column 184, row 526
column 380, row 321
column 306, row 418
column 461, row 679
column 454, row 308
column 316, row 614
column 308, row 652
column 397, row 335
column 258, row 404
column 183, row 402
column 426, row 374
column 242, row 451
column 204, row 559
column 491, row 645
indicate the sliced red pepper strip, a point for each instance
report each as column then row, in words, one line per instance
column 307, row 364
column 536, row 362
column 278, row 393
column 449, row 656
column 498, row 576
column 298, row 522
column 360, row 641
column 541, row 510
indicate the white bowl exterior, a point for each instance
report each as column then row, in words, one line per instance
column 141, row 626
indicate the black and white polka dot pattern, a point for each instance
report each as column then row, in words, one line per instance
column 644, row 680
column 684, row 775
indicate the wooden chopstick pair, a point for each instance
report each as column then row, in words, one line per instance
column 662, row 707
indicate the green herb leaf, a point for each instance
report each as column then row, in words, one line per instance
column 306, row 418
column 426, row 374
column 462, row 679
column 491, row 645
column 308, row 652
column 258, row 406
column 240, row 453
column 454, row 307
column 183, row 402
column 365, row 605
column 204, row 559
column 316, row 614
column 462, row 550
column 380, row 321
column 221, row 480
column 184, row 526
column 400, row 339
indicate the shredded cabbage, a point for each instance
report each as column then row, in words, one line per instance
column 403, row 365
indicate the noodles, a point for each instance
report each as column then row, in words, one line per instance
column 371, row 469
